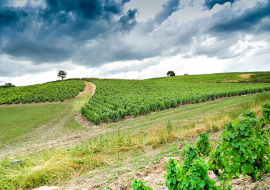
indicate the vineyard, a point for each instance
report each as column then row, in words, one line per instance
column 128, row 154
column 116, row 99
column 243, row 150
column 51, row 91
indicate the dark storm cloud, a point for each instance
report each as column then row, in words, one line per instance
column 36, row 51
column 96, row 32
column 54, row 32
column 128, row 21
column 125, row 1
column 11, row 16
column 170, row 7
column 247, row 21
column 209, row 4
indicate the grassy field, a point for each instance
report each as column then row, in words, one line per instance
column 18, row 122
column 125, row 141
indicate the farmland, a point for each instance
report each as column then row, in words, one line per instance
column 115, row 99
column 114, row 153
column 52, row 92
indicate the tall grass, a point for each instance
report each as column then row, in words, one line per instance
column 55, row 166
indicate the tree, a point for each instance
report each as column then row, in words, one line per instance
column 62, row 74
column 170, row 73
column 7, row 85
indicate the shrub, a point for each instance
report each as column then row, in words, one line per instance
column 115, row 116
column 128, row 109
column 140, row 185
column 172, row 172
column 135, row 112
column 122, row 112
column 266, row 112
column 161, row 105
column 95, row 118
column 248, row 114
column 203, row 146
column 242, row 150
column 105, row 117
column 192, row 174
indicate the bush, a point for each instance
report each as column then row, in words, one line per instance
column 248, row 114
column 172, row 172
column 115, row 116
column 105, row 117
column 128, row 109
column 266, row 112
column 135, row 112
column 192, row 174
column 95, row 118
column 122, row 112
column 161, row 105
column 242, row 150
column 140, row 185
column 203, row 146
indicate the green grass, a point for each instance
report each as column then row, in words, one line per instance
column 19, row 120
column 145, row 134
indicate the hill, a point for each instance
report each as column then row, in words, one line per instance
column 70, row 151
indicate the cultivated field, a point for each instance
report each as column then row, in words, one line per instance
column 142, row 123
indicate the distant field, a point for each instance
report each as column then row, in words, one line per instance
column 115, row 99
column 51, row 91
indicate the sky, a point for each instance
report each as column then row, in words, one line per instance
column 131, row 39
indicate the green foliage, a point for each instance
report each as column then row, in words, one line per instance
column 134, row 97
column 140, row 185
column 115, row 116
column 260, row 77
column 170, row 73
column 62, row 74
column 266, row 112
column 249, row 114
column 244, row 149
column 192, row 174
column 203, row 146
column 190, row 154
column 196, row 177
column 51, row 91
column 173, row 171
column 7, row 85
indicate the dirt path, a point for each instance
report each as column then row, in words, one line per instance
column 93, row 88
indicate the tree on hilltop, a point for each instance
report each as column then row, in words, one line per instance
column 170, row 73
column 62, row 74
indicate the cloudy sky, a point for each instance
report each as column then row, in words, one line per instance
column 132, row 39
